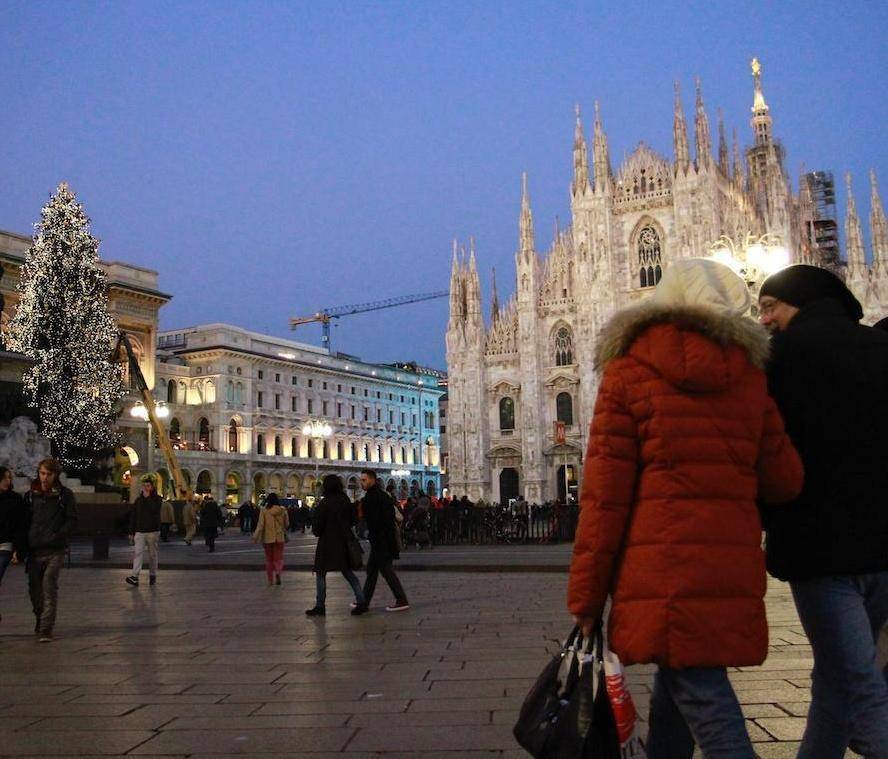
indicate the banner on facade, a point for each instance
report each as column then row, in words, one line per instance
column 560, row 433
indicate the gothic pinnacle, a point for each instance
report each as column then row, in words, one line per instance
column 878, row 226
column 702, row 139
column 680, row 135
column 581, row 159
column 525, row 222
column 722, row 145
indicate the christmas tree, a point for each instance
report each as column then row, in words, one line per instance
column 62, row 322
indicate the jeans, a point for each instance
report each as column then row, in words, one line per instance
column 843, row 617
column 374, row 569
column 698, row 706
column 145, row 542
column 321, row 587
column 274, row 559
column 43, row 586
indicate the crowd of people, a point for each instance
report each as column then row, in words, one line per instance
column 705, row 431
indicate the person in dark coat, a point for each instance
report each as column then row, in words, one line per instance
column 245, row 514
column 332, row 522
column 828, row 375
column 210, row 521
column 379, row 512
column 144, row 529
column 12, row 520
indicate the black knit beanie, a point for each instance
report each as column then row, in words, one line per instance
column 801, row 284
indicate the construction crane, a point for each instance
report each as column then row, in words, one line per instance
column 127, row 356
column 326, row 315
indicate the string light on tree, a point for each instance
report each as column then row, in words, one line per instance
column 63, row 324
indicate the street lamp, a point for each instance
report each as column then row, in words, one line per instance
column 318, row 430
column 754, row 257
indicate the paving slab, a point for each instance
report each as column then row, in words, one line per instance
column 210, row 663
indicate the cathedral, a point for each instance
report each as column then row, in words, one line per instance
column 522, row 387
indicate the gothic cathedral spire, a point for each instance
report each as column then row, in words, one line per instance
column 701, row 132
column 581, row 159
column 761, row 119
column 600, row 156
column 723, row 163
column 878, row 228
column 494, row 299
column 525, row 223
column 854, row 237
column 680, row 136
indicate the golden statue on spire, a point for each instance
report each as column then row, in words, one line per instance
column 756, row 67
column 759, row 97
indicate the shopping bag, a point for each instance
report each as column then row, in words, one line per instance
column 628, row 727
column 567, row 714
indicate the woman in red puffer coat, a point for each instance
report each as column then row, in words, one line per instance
column 683, row 441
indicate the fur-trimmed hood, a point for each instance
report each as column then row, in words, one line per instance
column 677, row 352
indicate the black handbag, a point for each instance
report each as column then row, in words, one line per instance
column 355, row 551
column 567, row 714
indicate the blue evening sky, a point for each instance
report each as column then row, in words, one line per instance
column 271, row 158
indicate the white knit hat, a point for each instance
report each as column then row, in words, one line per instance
column 705, row 283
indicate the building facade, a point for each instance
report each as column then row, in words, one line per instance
column 239, row 400
column 512, row 379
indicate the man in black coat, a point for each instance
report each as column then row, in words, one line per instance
column 379, row 513
column 829, row 375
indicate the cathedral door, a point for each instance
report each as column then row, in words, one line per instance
column 508, row 485
column 567, row 484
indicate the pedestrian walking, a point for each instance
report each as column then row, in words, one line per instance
column 244, row 514
column 51, row 515
column 144, row 530
column 271, row 531
column 333, row 519
column 12, row 522
column 379, row 513
column 189, row 521
column 828, row 375
column 683, row 440
column 210, row 521
column 167, row 519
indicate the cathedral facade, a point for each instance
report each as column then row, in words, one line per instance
column 521, row 387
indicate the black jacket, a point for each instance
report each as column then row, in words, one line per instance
column 379, row 513
column 829, row 377
column 51, row 517
column 210, row 517
column 13, row 520
column 145, row 514
column 331, row 521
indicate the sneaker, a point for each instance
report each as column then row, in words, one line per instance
column 357, row 610
column 317, row 611
column 131, row 580
column 46, row 637
column 152, row 580
column 398, row 606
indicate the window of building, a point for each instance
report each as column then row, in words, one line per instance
column 354, row 452
column 325, row 451
column 203, row 427
column 339, row 388
column 295, row 380
column 259, row 398
column 294, row 446
column 414, row 420
column 278, row 446
column 402, row 399
column 324, row 406
column 391, row 417
column 277, row 401
column 339, row 411
column 353, row 391
column 294, row 403
column 366, row 452
column 260, row 443
column 310, row 406
column 366, row 414
column 260, row 374
column 325, row 386
column 649, row 257
column 403, row 419
column 443, row 429
column 379, row 415
column 366, row 392
column 352, row 412
column 277, row 377
column 506, row 414
column 339, row 450
column 171, row 391
column 311, row 449
column 378, row 394
column 563, row 347
column 311, row 382
column 232, row 437
column 564, row 408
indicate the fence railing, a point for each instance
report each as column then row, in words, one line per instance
column 491, row 525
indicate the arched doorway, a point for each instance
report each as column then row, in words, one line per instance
column 569, row 485
column 204, row 483
column 431, row 488
column 414, row 487
column 276, row 484
column 233, row 488
column 508, row 485
column 258, row 486
column 294, row 486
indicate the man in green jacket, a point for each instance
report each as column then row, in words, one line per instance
column 51, row 514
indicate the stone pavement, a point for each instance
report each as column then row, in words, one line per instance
column 215, row 663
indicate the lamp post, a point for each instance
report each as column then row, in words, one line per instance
column 318, row 431
column 140, row 411
column 754, row 257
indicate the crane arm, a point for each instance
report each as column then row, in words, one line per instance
column 376, row 305
column 180, row 485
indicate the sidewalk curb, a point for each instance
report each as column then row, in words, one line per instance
column 462, row 568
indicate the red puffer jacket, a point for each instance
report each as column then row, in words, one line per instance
column 684, row 439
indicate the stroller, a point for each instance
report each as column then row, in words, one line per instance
column 416, row 528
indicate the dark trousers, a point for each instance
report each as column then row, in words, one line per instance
column 210, row 538
column 43, row 586
column 375, row 567
column 165, row 531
